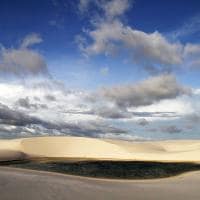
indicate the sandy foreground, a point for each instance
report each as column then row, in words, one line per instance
column 20, row 184
column 91, row 148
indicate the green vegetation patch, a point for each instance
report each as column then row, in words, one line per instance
column 108, row 169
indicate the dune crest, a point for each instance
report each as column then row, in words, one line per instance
column 100, row 149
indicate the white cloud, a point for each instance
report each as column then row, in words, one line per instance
column 153, row 52
column 115, row 8
column 145, row 92
column 112, row 8
column 192, row 55
column 179, row 106
column 141, row 46
column 23, row 60
column 30, row 40
column 73, row 112
column 189, row 27
column 191, row 49
column 83, row 5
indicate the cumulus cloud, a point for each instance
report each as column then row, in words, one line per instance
column 142, row 47
column 153, row 52
column 23, row 60
column 146, row 92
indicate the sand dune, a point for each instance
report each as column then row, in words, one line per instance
column 20, row 184
column 91, row 148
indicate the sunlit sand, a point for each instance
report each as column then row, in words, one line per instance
column 100, row 149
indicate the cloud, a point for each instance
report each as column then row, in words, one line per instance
column 25, row 103
column 195, row 64
column 124, row 136
column 189, row 27
column 26, row 116
column 104, row 111
column 192, row 55
column 155, row 114
column 23, row 60
column 111, row 112
column 92, row 129
column 111, row 8
column 17, row 118
column 110, row 36
column 83, row 5
column 153, row 52
column 193, row 118
column 143, row 122
column 142, row 47
column 50, row 97
column 146, row 92
column 115, row 8
column 191, row 49
column 30, row 40
column 75, row 113
column 171, row 129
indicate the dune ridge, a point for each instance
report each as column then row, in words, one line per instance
column 100, row 149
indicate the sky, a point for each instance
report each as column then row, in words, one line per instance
column 123, row 69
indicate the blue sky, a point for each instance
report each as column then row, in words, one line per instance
column 118, row 64
column 59, row 22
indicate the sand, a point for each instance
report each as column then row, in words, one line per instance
column 20, row 184
column 91, row 148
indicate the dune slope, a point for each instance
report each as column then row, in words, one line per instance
column 24, row 184
column 91, row 148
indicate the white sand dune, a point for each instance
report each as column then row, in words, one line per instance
column 20, row 184
column 91, row 148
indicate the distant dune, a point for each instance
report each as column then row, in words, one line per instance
column 100, row 149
